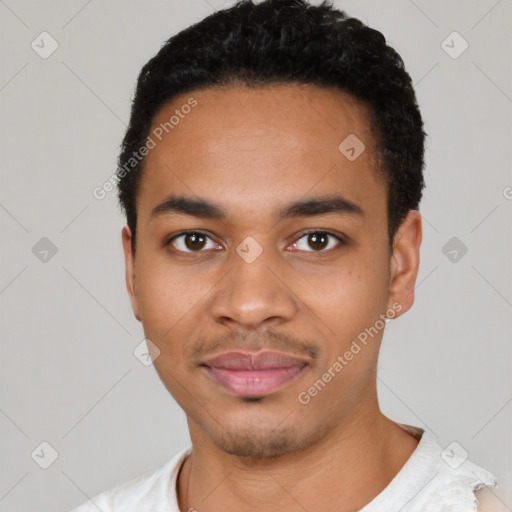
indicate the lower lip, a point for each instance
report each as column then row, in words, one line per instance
column 254, row 382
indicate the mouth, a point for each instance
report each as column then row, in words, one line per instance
column 252, row 374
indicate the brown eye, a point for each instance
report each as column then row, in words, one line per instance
column 192, row 242
column 195, row 241
column 317, row 241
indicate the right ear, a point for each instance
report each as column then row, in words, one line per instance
column 129, row 263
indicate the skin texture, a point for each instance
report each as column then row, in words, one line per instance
column 251, row 152
column 493, row 500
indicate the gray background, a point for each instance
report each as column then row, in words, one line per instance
column 68, row 373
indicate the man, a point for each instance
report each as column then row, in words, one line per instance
column 271, row 176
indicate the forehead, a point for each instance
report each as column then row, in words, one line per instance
column 247, row 147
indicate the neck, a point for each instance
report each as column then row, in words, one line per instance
column 351, row 465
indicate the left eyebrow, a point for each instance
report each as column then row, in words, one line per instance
column 320, row 206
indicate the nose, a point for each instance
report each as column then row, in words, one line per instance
column 253, row 294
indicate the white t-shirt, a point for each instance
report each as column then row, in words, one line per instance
column 432, row 480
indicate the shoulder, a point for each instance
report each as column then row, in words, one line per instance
column 491, row 499
column 488, row 501
column 447, row 481
column 139, row 494
column 112, row 499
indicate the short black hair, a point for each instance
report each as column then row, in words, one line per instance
column 286, row 42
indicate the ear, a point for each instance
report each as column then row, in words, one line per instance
column 129, row 262
column 405, row 261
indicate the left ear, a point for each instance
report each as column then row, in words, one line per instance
column 405, row 262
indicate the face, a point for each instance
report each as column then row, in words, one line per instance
column 257, row 233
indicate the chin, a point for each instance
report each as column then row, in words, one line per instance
column 265, row 441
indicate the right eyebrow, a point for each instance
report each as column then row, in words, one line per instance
column 189, row 206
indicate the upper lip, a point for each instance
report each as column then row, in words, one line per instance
column 246, row 360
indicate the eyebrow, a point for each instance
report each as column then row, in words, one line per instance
column 303, row 208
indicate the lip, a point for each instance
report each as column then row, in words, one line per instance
column 254, row 373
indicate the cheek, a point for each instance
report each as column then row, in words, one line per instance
column 169, row 297
column 347, row 298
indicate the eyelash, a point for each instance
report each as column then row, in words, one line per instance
column 304, row 234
